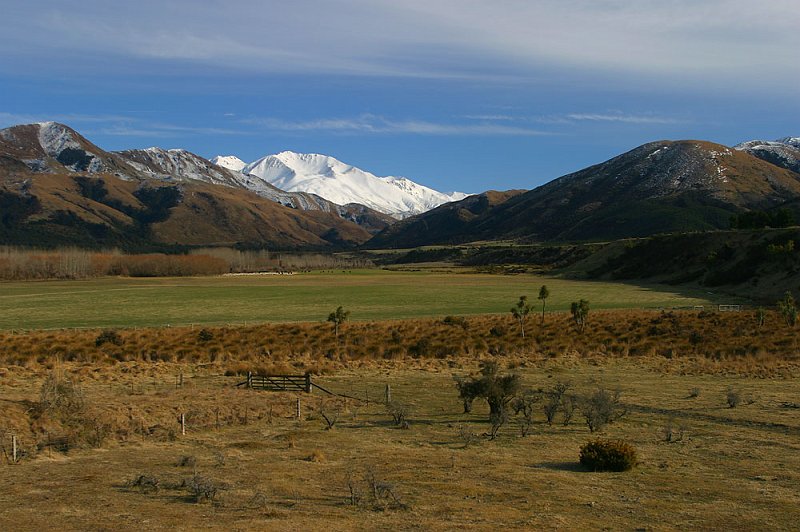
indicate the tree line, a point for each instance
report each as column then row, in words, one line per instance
column 19, row 264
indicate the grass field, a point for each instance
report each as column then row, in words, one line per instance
column 734, row 468
column 368, row 294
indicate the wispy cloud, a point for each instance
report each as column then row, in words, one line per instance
column 372, row 124
column 623, row 118
column 499, row 118
column 573, row 118
column 711, row 41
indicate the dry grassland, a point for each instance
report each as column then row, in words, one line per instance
column 734, row 468
column 95, row 466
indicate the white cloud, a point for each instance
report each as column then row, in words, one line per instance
column 624, row 118
column 713, row 41
column 371, row 124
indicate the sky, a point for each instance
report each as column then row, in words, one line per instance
column 461, row 95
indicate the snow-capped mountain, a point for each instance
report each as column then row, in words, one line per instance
column 783, row 152
column 231, row 162
column 343, row 183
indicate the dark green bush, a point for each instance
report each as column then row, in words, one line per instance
column 108, row 336
column 608, row 455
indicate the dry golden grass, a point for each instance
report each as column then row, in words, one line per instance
column 705, row 342
column 734, row 468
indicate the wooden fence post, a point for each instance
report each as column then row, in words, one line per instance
column 308, row 383
column 183, row 424
column 388, row 396
column 298, row 408
column 249, row 379
column 14, row 448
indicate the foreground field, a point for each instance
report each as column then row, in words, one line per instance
column 368, row 294
column 734, row 468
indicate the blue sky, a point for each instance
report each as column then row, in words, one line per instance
column 456, row 94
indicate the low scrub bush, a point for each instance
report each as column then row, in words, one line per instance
column 608, row 455
column 108, row 336
column 601, row 408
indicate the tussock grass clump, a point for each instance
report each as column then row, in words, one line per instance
column 707, row 339
column 608, row 455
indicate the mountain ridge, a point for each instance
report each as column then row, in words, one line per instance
column 342, row 183
column 658, row 187
column 57, row 188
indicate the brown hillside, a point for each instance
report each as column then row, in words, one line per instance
column 658, row 187
column 58, row 188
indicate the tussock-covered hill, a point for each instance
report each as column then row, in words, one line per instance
column 57, row 188
column 659, row 187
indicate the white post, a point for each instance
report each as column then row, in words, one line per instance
column 183, row 424
column 298, row 408
column 14, row 448
column 388, row 394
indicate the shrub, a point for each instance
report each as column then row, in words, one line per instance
column 673, row 433
column 61, row 395
column 459, row 321
column 498, row 390
column 204, row 488
column 555, row 398
column 399, row 413
column 523, row 404
column 497, row 331
column 580, row 313
column 608, row 455
column 601, row 408
column 108, row 336
column 186, row 461
column 205, row 335
column 733, row 397
column 329, row 414
column 145, row 483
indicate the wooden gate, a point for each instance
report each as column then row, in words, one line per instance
column 278, row 383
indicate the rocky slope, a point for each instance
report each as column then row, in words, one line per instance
column 57, row 188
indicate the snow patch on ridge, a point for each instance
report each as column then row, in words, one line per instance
column 231, row 162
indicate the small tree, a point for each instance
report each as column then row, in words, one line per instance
column 338, row 317
column 520, row 312
column 788, row 309
column 601, row 408
column 580, row 312
column 497, row 389
column 544, row 293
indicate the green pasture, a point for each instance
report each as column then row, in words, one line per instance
column 368, row 294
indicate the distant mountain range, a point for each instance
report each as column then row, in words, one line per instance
column 57, row 188
column 338, row 182
column 659, row 187
column 784, row 152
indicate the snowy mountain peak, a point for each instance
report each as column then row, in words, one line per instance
column 783, row 152
column 231, row 162
column 791, row 141
column 343, row 183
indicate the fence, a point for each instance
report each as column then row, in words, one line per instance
column 282, row 383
